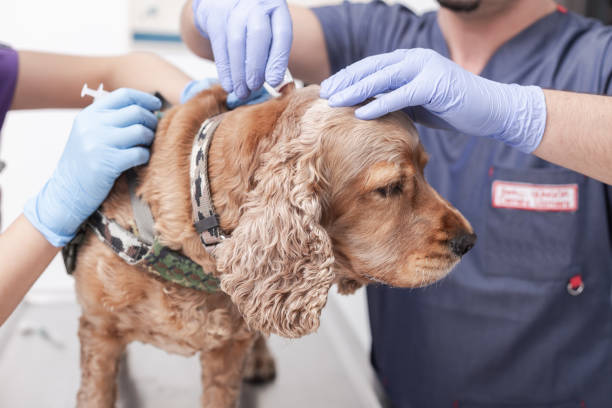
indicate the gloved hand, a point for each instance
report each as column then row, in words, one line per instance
column 250, row 39
column 107, row 138
column 439, row 93
column 196, row 86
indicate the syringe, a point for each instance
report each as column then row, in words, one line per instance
column 93, row 93
column 101, row 92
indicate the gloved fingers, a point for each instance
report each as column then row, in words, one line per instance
column 282, row 37
column 387, row 79
column 258, row 96
column 195, row 87
column 131, row 115
column 127, row 158
column 236, row 46
column 412, row 94
column 124, row 97
column 134, row 135
column 222, row 61
column 258, row 39
column 358, row 70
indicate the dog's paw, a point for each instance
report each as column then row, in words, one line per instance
column 259, row 367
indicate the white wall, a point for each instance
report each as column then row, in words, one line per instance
column 33, row 140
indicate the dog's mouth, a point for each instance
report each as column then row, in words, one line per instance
column 428, row 276
column 418, row 272
column 429, row 270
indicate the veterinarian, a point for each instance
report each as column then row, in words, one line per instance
column 108, row 136
column 526, row 319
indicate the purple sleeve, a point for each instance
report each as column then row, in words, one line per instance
column 8, row 79
column 355, row 31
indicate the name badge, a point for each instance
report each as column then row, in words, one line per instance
column 535, row 197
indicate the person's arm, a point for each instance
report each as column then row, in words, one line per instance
column 571, row 130
column 578, row 133
column 308, row 59
column 108, row 137
column 197, row 43
column 47, row 80
column 24, row 255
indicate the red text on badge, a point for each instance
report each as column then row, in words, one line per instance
column 535, row 197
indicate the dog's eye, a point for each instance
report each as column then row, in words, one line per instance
column 394, row 189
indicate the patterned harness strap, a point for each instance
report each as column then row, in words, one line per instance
column 155, row 258
column 145, row 250
column 206, row 220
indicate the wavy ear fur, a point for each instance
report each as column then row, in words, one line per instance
column 277, row 265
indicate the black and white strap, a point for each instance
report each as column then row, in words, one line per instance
column 206, row 220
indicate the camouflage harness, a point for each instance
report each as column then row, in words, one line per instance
column 145, row 250
column 154, row 257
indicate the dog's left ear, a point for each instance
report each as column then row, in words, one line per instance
column 277, row 265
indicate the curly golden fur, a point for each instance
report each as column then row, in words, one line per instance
column 311, row 196
column 277, row 267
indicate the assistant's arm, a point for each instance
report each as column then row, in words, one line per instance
column 578, row 133
column 107, row 138
column 308, row 59
column 47, row 80
column 24, row 255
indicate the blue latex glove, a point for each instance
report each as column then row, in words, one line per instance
column 107, row 138
column 251, row 40
column 441, row 94
column 196, row 86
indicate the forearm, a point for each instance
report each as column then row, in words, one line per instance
column 48, row 80
column 108, row 137
column 578, row 133
column 149, row 73
column 199, row 45
column 24, row 255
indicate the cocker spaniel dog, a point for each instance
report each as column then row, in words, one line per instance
column 308, row 196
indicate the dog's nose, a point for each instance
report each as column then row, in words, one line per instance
column 462, row 243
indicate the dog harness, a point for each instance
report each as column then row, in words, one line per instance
column 143, row 248
column 153, row 257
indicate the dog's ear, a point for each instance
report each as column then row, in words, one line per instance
column 277, row 265
column 288, row 88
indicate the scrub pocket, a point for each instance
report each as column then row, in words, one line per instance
column 534, row 220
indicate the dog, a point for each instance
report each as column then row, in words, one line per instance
column 308, row 195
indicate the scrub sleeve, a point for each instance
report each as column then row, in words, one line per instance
column 8, row 81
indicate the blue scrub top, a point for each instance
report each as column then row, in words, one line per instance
column 502, row 330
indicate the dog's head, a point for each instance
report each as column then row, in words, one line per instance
column 329, row 198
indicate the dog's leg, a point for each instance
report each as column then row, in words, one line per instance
column 259, row 366
column 222, row 373
column 100, row 353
